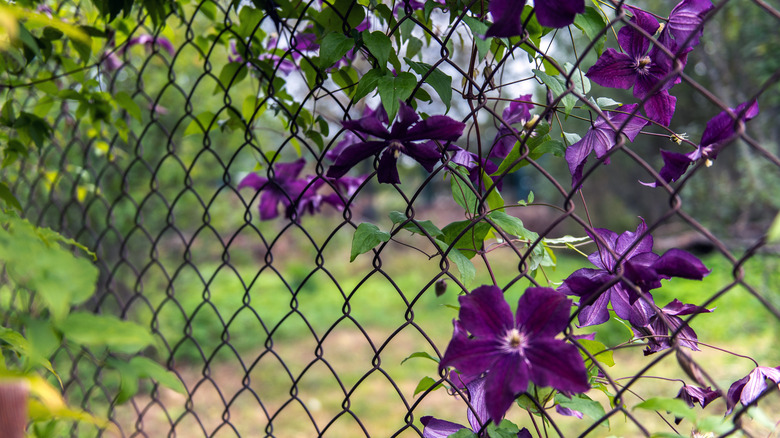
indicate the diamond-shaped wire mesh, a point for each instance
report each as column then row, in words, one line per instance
column 270, row 328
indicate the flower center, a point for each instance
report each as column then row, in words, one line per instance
column 643, row 63
column 395, row 148
column 514, row 341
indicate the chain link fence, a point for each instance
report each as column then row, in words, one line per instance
column 266, row 322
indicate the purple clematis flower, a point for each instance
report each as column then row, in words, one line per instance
column 601, row 137
column 551, row 13
column 719, row 132
column 641, row 67
column 408, row 135
column 749, row 388
column 638, row 264
column 694, row 394
column 514, row 350
column 297, row 195
column 647, row 323
column 518, row 112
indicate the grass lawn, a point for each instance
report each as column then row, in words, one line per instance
column 287, row 348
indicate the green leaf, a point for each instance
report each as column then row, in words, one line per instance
column 417, row 226
column 368, row 83
column 494, row 431
column 60, row 279
column 773, row 235
column 440, row 82
column 332, row 16
column 463, row 193
column 586, row 405
column 392, row 90
column 366, row 237
column 674, row 406
column 90, row 330
column 464, row 433
column 9, row 198
column 421, row 354
column 510, row 164
column 232, row 71
column 512, row 225
column 472, row 238
column 334, row 47
column 566, row 239
column 201, row 124
column 591, row 23
column 478, row 30
column 606, row 102
column 379, row 45
column 147, row 368
column 466, row 269
column 426, row 383
column 126, row 102
column 598, row 350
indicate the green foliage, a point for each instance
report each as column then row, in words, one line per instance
column 366, row 237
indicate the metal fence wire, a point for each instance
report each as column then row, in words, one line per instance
column 266, row 322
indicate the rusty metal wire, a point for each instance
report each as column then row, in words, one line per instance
column 182, row 250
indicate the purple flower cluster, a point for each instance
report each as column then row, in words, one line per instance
column 298, row 195
column 627, row 270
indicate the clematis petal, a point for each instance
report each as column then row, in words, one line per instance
column 596, row 312
column 507, row 16
column 507, row 378
column 406, row 118
column 660, row 107
column 288, row 171
column 368, row 125
column 685, row 20
column 269, row 203
column 676, row 307
column 471, row 357
column 631, row 40
column 435, row 428
column 679, row 263
column 558, row 13
column 627, row 245
column 426, row 153
column 485, row 313
column 568, row 412
column 519, row 110
column 542, row 312
column 614, row 70
column 254, row 181
column 622, row 298
column 585, row 282
column 755, row 386
column 503, row 143
column 603, row 258
column 479, row 415
column 720, row 130
column 440, row 128
column 625, row 114
column 387, row 172
column 352, row 155
column 675, row 165
column 557, row 364
column 734, row 393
